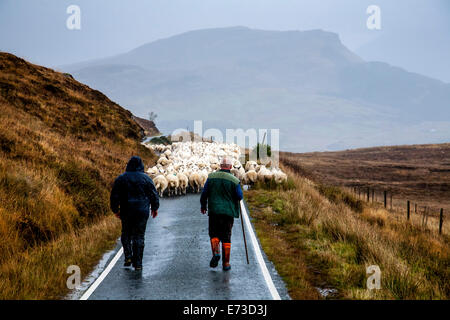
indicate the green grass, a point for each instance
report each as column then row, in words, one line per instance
column 161, row 140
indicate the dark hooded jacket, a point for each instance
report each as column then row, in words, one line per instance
column 133, row 191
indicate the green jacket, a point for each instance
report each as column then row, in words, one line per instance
column 222, row 193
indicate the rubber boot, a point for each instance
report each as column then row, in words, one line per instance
column 127, row 249
column 226, row 249
column 128, row 262
column 138, row 250
column 215, row 248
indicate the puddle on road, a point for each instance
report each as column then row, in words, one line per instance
column 159, row 239
column 327, row 292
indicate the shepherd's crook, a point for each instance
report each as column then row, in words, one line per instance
column 243, row 232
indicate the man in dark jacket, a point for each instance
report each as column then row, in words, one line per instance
column 131, row 196
column 221, row 194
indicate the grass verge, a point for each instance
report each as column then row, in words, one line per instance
column 322, row 239
column 41, row 272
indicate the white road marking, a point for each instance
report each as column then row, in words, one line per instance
column 259, row 257
column 105, row 272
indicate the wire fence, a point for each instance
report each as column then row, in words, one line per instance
column 423, row 215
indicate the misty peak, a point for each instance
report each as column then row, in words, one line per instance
column 249, row 77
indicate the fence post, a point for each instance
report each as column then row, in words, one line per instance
column 423, row 216
column 408, row 207
column 441, row 220
column 385, row 199
column 368, row 194
column 391, row 201
column 373, row 195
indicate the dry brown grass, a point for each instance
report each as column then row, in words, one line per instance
column 420, row 173
column 337, row 241
column 41, row 272
column 62, row 144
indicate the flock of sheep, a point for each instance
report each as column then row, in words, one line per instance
column 184, row 165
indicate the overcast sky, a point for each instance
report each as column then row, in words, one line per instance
column 415, row 34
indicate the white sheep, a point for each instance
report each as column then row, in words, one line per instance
column 189, row 163
column 161, row 184
column 164, row 161
column 264, row 174
column 203, row 177
column 195, row 182
column 250, row 177
column 183, row 182
column 167, row 153
column 153, row 171
column 279, row 176
column 251, row 165
column 174, row 183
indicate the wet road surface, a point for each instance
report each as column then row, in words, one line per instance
column 176, row 262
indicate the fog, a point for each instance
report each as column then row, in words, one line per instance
column 414, row 33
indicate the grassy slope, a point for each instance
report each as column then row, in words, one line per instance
column 322, row 237
column 62, row 144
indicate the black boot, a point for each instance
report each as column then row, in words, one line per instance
column 127, row 249
column 138, row 250
column 128, row 262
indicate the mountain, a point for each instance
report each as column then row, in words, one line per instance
column 306, row 83
column 61, row 146
column 421, row 50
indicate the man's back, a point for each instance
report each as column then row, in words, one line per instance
column 134, row 191
column 132, row 194
column 222, row 193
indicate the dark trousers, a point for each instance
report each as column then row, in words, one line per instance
column 133, row 238
column 220, row 226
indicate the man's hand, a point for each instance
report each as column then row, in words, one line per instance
column 117, row 214
column 203, row 211
column 154, row 213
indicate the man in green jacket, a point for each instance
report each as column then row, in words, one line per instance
column 221, row 196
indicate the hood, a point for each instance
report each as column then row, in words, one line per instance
column 135, row 164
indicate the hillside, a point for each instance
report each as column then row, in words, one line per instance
column 148, row 126
column 308, row 84
column 62, row 144
column 420, row 173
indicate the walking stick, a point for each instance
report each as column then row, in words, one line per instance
column 243, row 232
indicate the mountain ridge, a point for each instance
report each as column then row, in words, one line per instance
column 247, row 78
